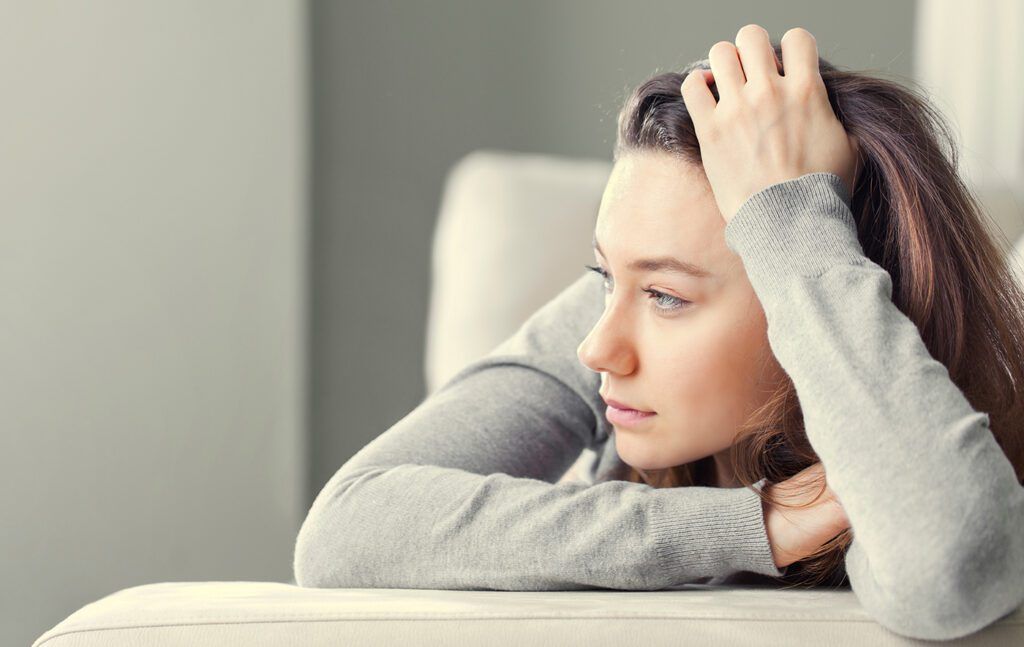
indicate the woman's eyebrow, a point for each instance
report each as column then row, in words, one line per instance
column 662, row 264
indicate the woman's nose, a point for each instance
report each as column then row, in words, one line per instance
column 606, row 348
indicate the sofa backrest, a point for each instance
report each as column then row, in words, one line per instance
column 513, row 231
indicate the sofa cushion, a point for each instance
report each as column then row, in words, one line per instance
column 273, row 613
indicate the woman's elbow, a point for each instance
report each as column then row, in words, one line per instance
column 973, row 595
column 320, row 552
column 325, row 551
column 307, row 561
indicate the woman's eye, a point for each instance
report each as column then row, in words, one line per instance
column 672, row 303
column 663, row 302
column 600, row 271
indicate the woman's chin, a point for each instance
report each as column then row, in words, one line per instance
column 640, row 454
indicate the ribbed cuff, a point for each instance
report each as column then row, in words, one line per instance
column 800, row 227
column 705, row 531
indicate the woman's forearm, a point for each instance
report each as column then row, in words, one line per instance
column 934, row 503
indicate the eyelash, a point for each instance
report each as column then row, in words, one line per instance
column 654, row 294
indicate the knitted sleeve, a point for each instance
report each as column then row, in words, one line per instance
column 935, row 507
column 462, row 492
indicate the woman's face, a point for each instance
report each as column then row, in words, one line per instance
column 698, row 357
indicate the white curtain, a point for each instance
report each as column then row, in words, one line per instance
column 970, row 57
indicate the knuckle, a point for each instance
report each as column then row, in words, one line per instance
column 759, row 94
column 731, row 117
column 805, row 90
column 710, row 133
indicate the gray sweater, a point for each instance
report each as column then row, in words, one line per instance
column 463, row 492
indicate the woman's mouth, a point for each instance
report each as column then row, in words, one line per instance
column 627, row 417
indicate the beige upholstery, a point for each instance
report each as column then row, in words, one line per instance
column 513, row 231
column 266, row 613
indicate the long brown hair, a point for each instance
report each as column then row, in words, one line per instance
column 917, row 219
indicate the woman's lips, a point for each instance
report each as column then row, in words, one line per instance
column 627, row 417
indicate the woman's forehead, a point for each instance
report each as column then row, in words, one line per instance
column 657, row 206
column 659, row 185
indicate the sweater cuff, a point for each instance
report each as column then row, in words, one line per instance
column 801, row 227
column 724, row 534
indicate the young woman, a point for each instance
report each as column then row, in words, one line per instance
column 799, row 353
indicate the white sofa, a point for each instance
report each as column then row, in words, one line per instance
column 513, row 230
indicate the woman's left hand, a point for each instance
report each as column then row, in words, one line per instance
column 765, row 128
column 796, row 532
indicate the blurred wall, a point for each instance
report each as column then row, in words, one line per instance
column 152, row 233
column 403, row 89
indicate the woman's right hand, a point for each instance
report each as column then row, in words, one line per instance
column 795, row 533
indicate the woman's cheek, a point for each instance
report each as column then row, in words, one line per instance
column 725, row 370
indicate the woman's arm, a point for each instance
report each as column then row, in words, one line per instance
column 934, row 504
column 462, row 493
